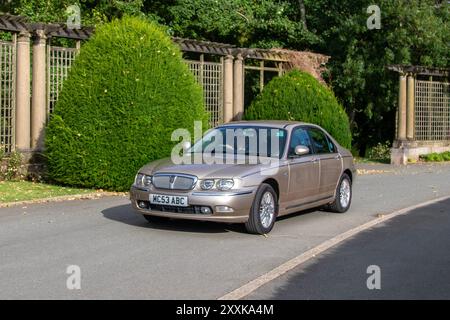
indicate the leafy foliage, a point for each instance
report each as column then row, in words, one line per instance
column 381, row 152
column 12, row 166
column 126, row 92
column 264, row 24
column 299, row 96
column 92, row 11
column 436, row 157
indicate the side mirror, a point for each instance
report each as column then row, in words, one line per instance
column 186, row 145
column 301, row 150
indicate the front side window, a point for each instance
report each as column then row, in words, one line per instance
column 319, row 140
column 299, row 136
column 333, row 148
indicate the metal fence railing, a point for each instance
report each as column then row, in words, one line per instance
column 59, row 62
column 7, row 92
column 209, row 76
column 432, row 111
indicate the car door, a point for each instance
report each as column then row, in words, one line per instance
column 330, row 161
column 304, row 171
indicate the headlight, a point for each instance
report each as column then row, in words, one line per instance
column 139, row 179
column 147, row 180
column 143, row 180
column 225, row 184
column 207, row 184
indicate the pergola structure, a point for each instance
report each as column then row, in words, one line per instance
column 220, row 69
column 25, row 130
column 21, row 24
column 423, row 114
column 232, row 69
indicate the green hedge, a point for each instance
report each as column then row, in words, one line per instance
column 299, row 96
column 127, row 91
column 436, row 157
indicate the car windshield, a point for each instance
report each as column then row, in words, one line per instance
column 240, row 140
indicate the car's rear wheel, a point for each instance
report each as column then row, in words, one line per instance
column 264, row 211
column 343, row 197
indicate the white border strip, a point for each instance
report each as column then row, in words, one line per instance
column 248, row 288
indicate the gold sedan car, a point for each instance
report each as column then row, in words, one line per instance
column 248, row 172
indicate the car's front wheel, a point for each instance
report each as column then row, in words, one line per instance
column 263, row 211
column 343, row 197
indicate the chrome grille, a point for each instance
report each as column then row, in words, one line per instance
column 174, row 181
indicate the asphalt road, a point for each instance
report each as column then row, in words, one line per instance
column 121, row 256
column 411, row 251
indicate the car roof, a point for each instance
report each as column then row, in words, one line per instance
column 282, row 124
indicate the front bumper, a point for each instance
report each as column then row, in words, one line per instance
column 240, row 201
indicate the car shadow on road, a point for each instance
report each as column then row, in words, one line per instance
column 299, row 213
column 125, row 214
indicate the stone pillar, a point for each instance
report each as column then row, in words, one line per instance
column 228, row 89
column 261, row 75
column 280, row 69
column 410, row 108
column 238, row 88
column 23, row 92
column 39, row 97
column 401, row 135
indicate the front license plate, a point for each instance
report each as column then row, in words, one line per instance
column 163, row 199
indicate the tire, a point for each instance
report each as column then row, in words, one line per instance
column 255, row 223
column 337, row 205
column 154, row 219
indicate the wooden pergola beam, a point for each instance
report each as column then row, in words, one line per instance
column 420, row 70
column 13, row 23
column 223, row 49
column 17, row 24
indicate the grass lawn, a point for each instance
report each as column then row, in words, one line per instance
column 11, row 191
column 369, row 161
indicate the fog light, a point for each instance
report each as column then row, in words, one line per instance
column 205, row 210
column 142, row 204
column 224, row 209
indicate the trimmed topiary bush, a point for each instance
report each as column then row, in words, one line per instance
column 127, row 91
column 299, row 96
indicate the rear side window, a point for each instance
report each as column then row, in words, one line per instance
column 320, row 141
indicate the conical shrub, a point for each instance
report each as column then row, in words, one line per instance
column 128, row 89
column 299, row 96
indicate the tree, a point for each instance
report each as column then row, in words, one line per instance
column 247, row 23
column 93, row 12
column 411, row 32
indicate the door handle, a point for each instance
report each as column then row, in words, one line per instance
column 314, row 160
